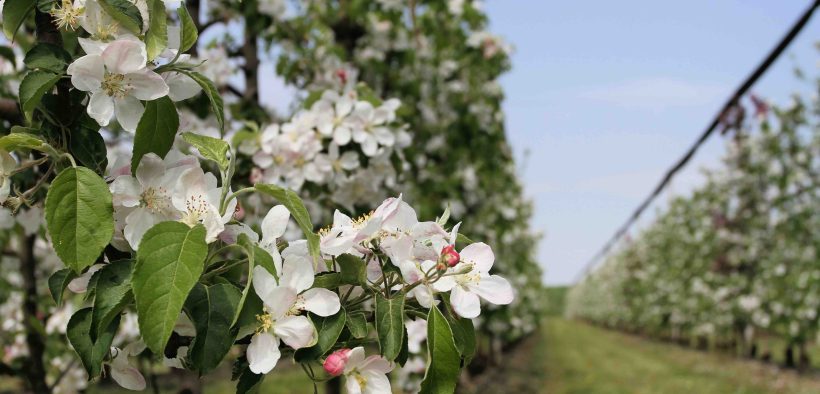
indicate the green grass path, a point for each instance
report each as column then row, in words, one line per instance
column 579, row 358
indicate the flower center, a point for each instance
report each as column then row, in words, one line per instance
column 155, row 199
column 298, row 306
column 67, row 16
column 471, row 277
column 265, row 322
column 115, row 86
column 107, row 32
column 360, row 379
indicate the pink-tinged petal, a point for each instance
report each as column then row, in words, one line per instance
column 263, row 353
column 129, row 112
column 137, row 223
column 125, row 57
column 354, row 359
column 146, row 85
column 495, row 289
column 126, row 191
column 479, row 254
column 101, row 108
column 181, row 87
column 87, row 73
column 296, row 331
column 151, row 168
column 465, row 303
column 322, row 302
column 297, row 274
column 92, row 47
column 274, row 224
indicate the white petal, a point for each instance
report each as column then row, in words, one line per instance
column 377, row 383
column 354, row 359
column 279, row 301
column 92, row 47
column 150, row 169
column 322, row 302
column 465, row 303
column 352, row 386
column 181, row 87
column 297, row 274
column 263, row 353
column 129, row 112
column 342, row 135
column 494, row 289
column 101, row 108
column 479, row 254
column 137, row 223
column 128, row 377
column 87, row 73
column 146, row 85
column 125, row 57
column 263, row 282
column 296, row 331
column 275, row 223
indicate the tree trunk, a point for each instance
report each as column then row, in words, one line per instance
column 33, row 367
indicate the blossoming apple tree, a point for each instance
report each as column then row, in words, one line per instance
column 173, row 214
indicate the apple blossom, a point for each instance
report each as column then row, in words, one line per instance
column 117, row 79
column 472, row 280
column 198, row 198
column 334, row 364
column 366, row 375
column 121, row 370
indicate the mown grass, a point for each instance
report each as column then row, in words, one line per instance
column 579, row 358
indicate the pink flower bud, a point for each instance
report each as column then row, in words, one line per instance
column 335, row 363
column 450, row 256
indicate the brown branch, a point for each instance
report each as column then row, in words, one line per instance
column 10, row 111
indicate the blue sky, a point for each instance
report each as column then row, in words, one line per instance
column 604, row 96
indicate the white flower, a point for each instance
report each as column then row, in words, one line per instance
column 367, row 375
column 198, row 198
column 126, row 375
column 284, row 301
column 273, row 227
column 147, row 197
column 370, row 130
column 80, row 284
column 477, row 260
column 345, row 233
column 7, row 165
column 333, row 112
column 31, row 219
column 101, row 27
column 117, row 79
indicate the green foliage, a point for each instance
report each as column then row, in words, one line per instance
column 210, row 148
column 124, row 12
column 33, row 87
column 156, row 130
column 444, row 365
column 390, row 324
column 57, row 283
column 15, row 13
column 169, row 263
column 112, row 292
column 212, row 309
column 156, row 38
column 20, row 138
column 47, row 57
column 328, row 328
column 92, row 352
column 297, row 209
column 212, row 93
column 79, row 216
column 188, row 32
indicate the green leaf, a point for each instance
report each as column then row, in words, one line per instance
column 79, row 216
column 357, row 324
column 156, row 38
column 87, row 145
column 170, row 260
column 253, row 306
column 211, row 92
column 213, row 149
column 112, row 292
column 444, row 363
column 15, row 13
column 46, row 5
column 57, row 283
column 250, row 251
column 327, row 280
column 91, row 352
column 34, row 85
column 297, row 209
column 8, row 54
column 353, row 270
column 124, row 12
column 248, row 382
column 156, row 130
column 404, row 354
column 47, row 57
column 263, row 258
column 328, row 329
column 212, row 310
column 188, row 33
column 464, row 336
column 463, row 240
column 390, row 324
column 18, row 139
